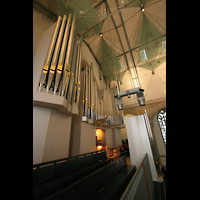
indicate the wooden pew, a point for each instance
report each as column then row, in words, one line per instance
column 50, row 177
column 108, row 182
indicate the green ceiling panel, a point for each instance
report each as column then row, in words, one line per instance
column 152, row 65
column 152, row 44
column 107, row 65
column 86, row 14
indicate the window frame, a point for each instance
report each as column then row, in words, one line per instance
column 161, row 118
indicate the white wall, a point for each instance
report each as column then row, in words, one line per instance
column 40, row 24
column 139, row 143
column 51, row 134
column 118, row 139
column 40, row 126
column 88, row 138
column 109, row 137
column 58, row 136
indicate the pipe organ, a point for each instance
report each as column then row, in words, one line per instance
column 97, row 105
column 62, row 66
column 61, row 77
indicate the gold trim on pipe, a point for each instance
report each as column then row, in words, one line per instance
column 68, row 54
column 56, row 53
column 62, row 53
column 49, row 53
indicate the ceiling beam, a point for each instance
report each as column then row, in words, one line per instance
column 92, row 52
column 120, row 14
column 44, row 10
column 108, row 9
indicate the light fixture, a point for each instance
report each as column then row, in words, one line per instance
column 100, row 34
column 142, row 8
column 139, row 93
column 140, row 98
column 119, row 103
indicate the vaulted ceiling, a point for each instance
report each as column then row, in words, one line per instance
column 122, row 35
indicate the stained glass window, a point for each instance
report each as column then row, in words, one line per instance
column 162, row 123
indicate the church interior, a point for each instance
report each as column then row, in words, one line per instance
column 99, row 99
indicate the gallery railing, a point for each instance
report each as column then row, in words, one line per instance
column 141, row 185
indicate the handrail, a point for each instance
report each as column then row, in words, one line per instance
column 67, row 158
column 133, row 180
column 153, row 144
column 141, row 185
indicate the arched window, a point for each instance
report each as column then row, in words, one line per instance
column 162, row 123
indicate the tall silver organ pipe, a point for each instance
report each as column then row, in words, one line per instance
column 62, row 54
column 92, row 92
column 79, row 77
column 76, row 75
column 86, row 92
column 89, row 91
column 72, row 72
column 49, row 53
column 95, row 101
column 56, row 52
column 66, row 72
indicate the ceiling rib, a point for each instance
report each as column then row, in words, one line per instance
column 117, row 4
column 108, row 8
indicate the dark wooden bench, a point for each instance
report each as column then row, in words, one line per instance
column 50, row 177
column 109, row 182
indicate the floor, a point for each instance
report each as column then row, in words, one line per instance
column 128, row 160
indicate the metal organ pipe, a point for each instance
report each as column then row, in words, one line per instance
column 84, row 84
column 79, row 77
column 76, row 75
column 92, row 91
column 56, row 52
column 49, row 53
column 62, row 53
column 66, row 72
column 89, row 89
column 72, row 70
column 86, row 92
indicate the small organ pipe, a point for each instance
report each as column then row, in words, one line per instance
column 62, row 53
column 56, row 53
column 49, row 53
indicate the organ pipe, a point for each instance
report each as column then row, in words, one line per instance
column 72, row 70
column 49, row 53
column 89, row 91
column 76, row 75
column 84, row 94
column 79, row 77
column 56, row 52
column 92, row 92
column 66, row 73
column 62, row 54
